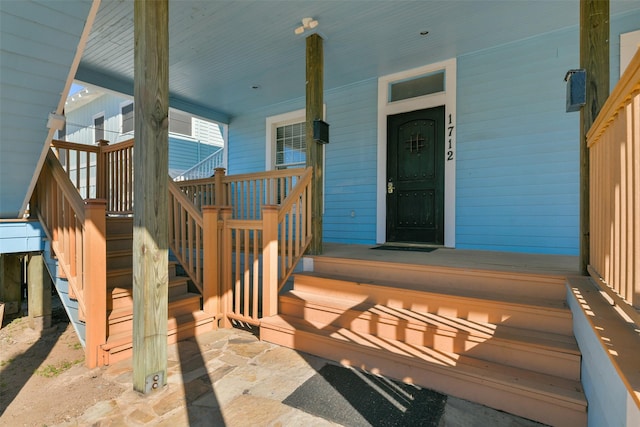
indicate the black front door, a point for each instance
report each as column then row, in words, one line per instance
column 415, row 177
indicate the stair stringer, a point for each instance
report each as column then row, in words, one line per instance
column 62, row 287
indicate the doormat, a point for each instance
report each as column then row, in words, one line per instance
column 405, row 248
column 355, row 398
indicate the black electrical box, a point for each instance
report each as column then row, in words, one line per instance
column 320, row 132
column 576, row 89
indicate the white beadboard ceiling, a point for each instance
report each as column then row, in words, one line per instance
column 219, row 49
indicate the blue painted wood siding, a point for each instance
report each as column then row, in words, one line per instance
column 350, row 158
column 518, row 169
column 21, row 236
column 517, row 149
column 38, row 41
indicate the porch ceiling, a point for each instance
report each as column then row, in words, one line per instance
column 220, row 49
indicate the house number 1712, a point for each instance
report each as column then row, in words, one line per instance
column 449, row 135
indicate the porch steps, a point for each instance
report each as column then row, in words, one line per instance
column 437, row 327
column 185, row 317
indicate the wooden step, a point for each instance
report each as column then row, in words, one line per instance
column 444, row 279
column 119, row 346
column 119, row 297
column 548, row 399
column 124, row 276
column 119, row 225
column 119, row 242
column 548, row 353
column 117, row 260
column 121, row 320
column 536, row 314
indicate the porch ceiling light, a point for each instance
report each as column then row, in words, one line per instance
column 307, row 24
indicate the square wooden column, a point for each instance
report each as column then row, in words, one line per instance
column 150, row 194
column 39, row 294
column 594, row 58
column 314, row 108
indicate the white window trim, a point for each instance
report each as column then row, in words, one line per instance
column 386, row 108
column 629, row 44
column 122, row 105
column 273, row 122
column 104, row 125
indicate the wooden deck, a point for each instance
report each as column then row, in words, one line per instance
column 565, row 265
column 490, row 327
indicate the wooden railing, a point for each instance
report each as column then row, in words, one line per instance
column 76, row 229
column 186, row 234
column 238, row 237
column 205, row 169
column 100, row 171
column 614, row 150
column 262, row 229
column 245, row 193
column 258, row 254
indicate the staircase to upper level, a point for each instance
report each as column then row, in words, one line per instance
column 186, row 318
column 502, row 339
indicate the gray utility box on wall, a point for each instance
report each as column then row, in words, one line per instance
column 576, row 89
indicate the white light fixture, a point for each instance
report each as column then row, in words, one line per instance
column 307, row 24
column 56, row 121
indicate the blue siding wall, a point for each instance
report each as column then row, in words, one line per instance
column 184, row 153
column 517, row 170
column 350, row 164
column 38, row 41
column 21, row 236
column 517, row 185
column 350, row 158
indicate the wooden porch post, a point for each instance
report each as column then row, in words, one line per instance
column 150, row 218
column 594, row 58
column 39, row 293
column 314, row 104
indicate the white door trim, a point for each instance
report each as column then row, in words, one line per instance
column 386, row 108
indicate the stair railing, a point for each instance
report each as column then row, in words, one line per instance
column 100, row 171
column 205, row 168
column 614, row 150
column 259, row 253
column 76, row 229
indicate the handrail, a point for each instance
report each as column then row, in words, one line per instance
column 186, row 234
column 205, row 167
column 76, row 229
column 294, row 224
column 259, row 252
column 100, row 171
column 614, row 150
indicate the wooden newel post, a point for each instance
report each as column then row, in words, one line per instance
column 226, row 291
column 95, row 279
column 269, row 260
column 101, row 170
column 219, row 196
column 211, row 262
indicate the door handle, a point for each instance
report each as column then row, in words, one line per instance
column 390, row 187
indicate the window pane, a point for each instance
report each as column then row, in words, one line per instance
column 424, row 85
column 98, row 128
column 290, row 146
column 180, row 123
column 127, row 118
